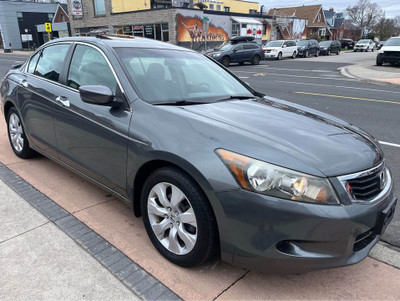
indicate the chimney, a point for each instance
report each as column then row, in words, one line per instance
column 331, row 10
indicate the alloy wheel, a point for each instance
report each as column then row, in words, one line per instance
column 16, row 132
column 172, row 218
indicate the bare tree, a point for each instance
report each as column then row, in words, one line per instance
column 365, row 12
column 385, row 28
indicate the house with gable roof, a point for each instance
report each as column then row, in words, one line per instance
column 317, row 28
column 336, row 23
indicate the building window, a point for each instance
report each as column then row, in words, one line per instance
column 62, row 18
column 227, row 9
column 211, row 6
column 264, row 29
column 19, row 14
column 50, row 16
column 252, row 11
column 99, row 7
column 235, row 29
column 218, row 7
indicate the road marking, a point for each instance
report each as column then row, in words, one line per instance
column 288, row 69
column 345, row 87
column 389, row 144
column 348, row 97
column 244, row 77
column 300, row 76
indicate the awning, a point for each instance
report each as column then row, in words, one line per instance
column 246, row 20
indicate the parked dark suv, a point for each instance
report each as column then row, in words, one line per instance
column 238, row 50
column 308, row 47
column 328, row 47
column 347, row 43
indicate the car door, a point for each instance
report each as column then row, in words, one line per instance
column 39, row 85
column 91, row 138
column 238, row 54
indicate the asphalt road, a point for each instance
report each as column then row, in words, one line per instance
column 316, row 83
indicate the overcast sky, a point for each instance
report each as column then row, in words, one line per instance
column 392, row 7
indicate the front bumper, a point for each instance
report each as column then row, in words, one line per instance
column 282, row 237
column 389, row 57
column 271, row 55
column 324, row 51
column 360, row 48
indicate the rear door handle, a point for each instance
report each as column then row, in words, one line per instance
column 63, row 101
column 24, row 83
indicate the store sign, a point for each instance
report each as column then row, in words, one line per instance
column 138, row 30
column 26, row 37
column 77, row 8
column 149, row 31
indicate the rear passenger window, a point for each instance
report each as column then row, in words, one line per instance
column 33, row 62
column 51, row 62
column 89, row 67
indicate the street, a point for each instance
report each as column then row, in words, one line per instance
column 312, row 82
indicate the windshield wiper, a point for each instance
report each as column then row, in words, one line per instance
column 237, row 97
column 182, row 102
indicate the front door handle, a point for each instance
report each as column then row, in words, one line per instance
column 62, row 100
column 24, row 83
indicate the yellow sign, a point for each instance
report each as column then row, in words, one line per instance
column 48, row 27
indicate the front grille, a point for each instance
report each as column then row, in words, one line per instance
column 392, row 54
column 367, row 187
column 268, row 51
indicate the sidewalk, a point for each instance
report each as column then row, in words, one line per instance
column 17, row 52
column 368, row 72
column 39, row 261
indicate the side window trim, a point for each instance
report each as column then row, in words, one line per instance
column 41, row 50
column 102, row 53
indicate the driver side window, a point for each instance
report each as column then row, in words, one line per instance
column 89, row 67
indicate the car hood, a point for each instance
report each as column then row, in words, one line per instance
column 390, row 48
column 292, row 136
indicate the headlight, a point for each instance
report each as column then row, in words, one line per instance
column 216, row 54
column 274, row 50
column 276, row 181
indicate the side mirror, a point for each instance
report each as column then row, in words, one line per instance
column 284, row 46
column 98, row 95
column 234, row 50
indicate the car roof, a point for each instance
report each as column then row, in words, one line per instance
column 119, row 42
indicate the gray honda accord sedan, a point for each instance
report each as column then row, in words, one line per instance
column 213, row 167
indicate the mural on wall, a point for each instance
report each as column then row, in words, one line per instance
column 299, row 29
column 190, row 29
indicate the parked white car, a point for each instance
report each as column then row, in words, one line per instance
column 364, row 45
column 280, row 49
column 389, row 53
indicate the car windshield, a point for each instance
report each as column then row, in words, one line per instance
column 226, row 47
column 326, row 43
column 302, row 43
column 392, row 42
column 274, row 44
column 171, row 76
column 363, row 42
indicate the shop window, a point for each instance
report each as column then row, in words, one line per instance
column 211, row 6
column 157, row 28
column 235, row 29
column 227, row 9
column 99, row 7
column 252, row 11
column 218, row 7
column 264, row 29
column 149, row 31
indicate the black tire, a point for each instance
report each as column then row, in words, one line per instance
column 372, row 50
column 378, row 61
column 294, row 55
column 256, row 60
column 241, row 63
column 355, row 50
column 338, row 52
column 26, row 152
column 328, row 53
column 226, row 61
column 306, row 54
column 206, row 244
column 317, row 53
column 279, row 57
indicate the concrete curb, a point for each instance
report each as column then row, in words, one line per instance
column 133, row 276
column 386, row 253
column 346, row 72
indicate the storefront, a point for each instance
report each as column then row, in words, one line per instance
column 157, row 31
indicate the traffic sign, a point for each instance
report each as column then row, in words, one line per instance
column 48, row 27
column 205, row 19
